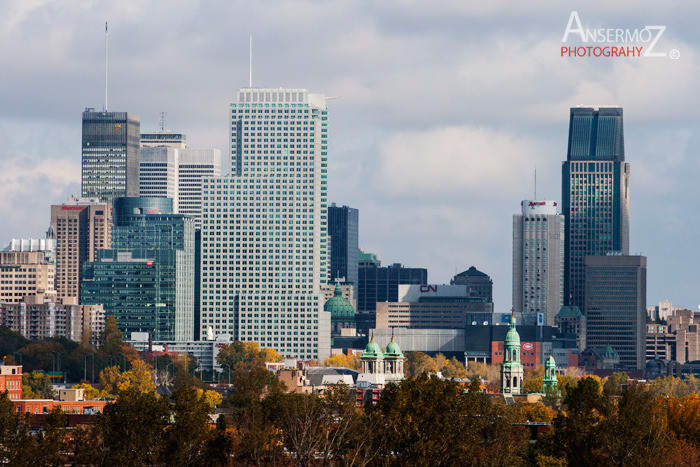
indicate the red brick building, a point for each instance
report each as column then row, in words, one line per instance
column 11, row 381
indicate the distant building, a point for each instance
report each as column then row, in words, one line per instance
column 595, row 193
column 662, row 311
column 110, row 154
column 82, row 227
column 678, row 340
column 25, row 273
column 35, row 318
column 341, row 311
column 164, row 138
column 343, row 231
column 538, row 259
column 205, row 351
column 431, row 306
column 11, row 381
column 146, row 280
column 600, row 358
column 616, row 306
column 368, row 260
column 158, row 169
column 570, row 320
column 480, row 284
column 380, row 368
column 381, row 284
column 45, row 245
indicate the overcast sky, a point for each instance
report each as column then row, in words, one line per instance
column 444, row 110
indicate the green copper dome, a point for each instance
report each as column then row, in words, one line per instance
column 512, row 337
column 339, row 306
column 372, row 350
column 393, row 351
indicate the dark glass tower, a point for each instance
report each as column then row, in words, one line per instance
column 110, row 154
column 147, row 279
column 595, row 193
column 343, row 229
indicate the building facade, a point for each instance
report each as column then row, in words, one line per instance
column 11, row 381
column 678, row 340
column 538, row 259
column 343, row 231
column 480, row 284
column 595, row 193
column 158, row 170
column 163, row 138
column 264, row 227
column 82, row 226
column 35, row 318
column 146, row 280
column 616, row 306
column 25, row 273
column 110, row 154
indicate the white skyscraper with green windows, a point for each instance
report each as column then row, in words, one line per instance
column 264, row 227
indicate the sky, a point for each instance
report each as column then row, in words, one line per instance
column 444, row 110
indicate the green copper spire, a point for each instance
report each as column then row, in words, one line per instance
column 549, row 382
column 512, row 344
column 339, row 306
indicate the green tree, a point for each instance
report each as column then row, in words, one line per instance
column 111, row 339
column 187, row 439
column 612, row 385
column 453, row 368
column 15, row 440
column 36, row 385
column 130, row 431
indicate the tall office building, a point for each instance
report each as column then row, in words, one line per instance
column 167, row 172
column 195, row 165
column 616, row 306
column 595, row 193
column 479, row 283
column 82, row 226
column 538, row 259
column 110, row 155
column 164, row 138
column 343, row 230
column 146, row 280
column 264, row 227
column 158, row 169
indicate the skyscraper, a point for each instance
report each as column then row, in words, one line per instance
column 616, row 306
column 538, row 259
column 264, row 227
column 158, row 170
column 479, row 283
column 146, row 280
column 110, row 155
column 595, row 193
column 343, row 230
column 82, row 226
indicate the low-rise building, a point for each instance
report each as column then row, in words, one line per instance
column 11, row 381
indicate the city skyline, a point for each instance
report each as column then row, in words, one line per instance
column 446, row 215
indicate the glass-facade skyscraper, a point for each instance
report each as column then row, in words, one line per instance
column 264, row 227
column 110, row 154
column 343, row 230
column 146, row 280
column 595, row 193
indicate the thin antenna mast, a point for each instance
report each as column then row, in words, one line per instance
column 250, row 63
column 163, row 121
column 106, row 62
column 535, row 182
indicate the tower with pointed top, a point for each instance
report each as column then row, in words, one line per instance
column 511, row 368
column 549, row 382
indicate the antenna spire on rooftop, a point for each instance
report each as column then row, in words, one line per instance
column 106, row 63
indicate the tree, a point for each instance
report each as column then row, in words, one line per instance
column 109, row 380
column 343, row 360
column 130, row 431
column 90, row 392
column 418, row 363
column 612, row 385
column 112, row 381
column 111, row 339
column 36, row 385
column 15, row 440
column 187, row 438
column 453, row 368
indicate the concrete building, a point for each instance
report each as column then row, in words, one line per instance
column 205, row 351
column 431, row 307
column 616, row 306
column 265, row 229
column 158, row 173
column 595, row 193
column 678, row 340
column 25, row 273
column 163, row 138
column 110, row 154
column 538, row 259
column 662, row 311
column 146, row 280
column 167, row 172
column 571, row 321
column 82, row 226
column 480, row 284
column 343, row 231
column 36, row 318
column 45, row 245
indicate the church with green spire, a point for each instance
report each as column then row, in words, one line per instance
column 511, row 368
